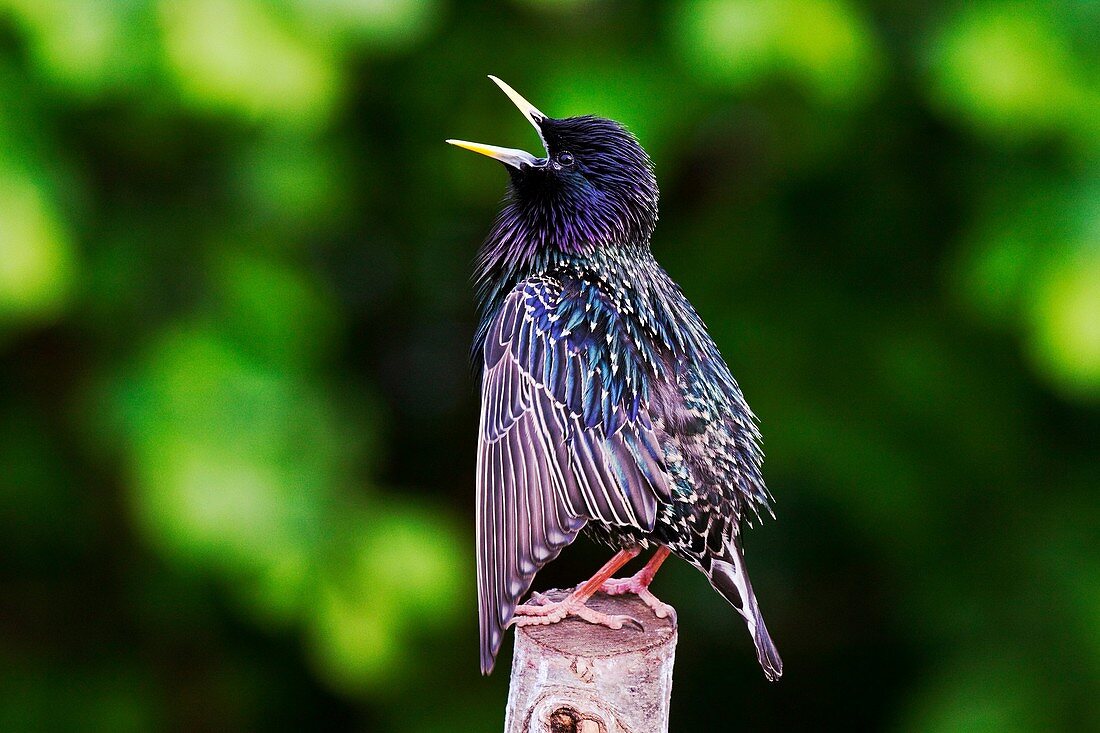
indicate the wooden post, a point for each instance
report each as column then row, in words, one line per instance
column 574, row 677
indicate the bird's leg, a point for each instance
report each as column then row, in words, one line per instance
column 543, row 612
column 638, row 584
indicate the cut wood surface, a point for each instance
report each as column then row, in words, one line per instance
column 575, row 677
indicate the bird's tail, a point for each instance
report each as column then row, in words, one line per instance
column 727, row 575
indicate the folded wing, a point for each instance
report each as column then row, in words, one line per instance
column 566, row 437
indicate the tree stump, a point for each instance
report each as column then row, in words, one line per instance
column 574, row 677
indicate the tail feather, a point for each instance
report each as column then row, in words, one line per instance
column 727, row 575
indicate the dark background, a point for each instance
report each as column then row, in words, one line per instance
column 237, row 422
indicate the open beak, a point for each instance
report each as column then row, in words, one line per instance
column 510, row 156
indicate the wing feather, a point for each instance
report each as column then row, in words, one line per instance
column 558, row 448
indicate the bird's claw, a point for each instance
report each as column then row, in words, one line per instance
column 621, row 586
column 541, row 611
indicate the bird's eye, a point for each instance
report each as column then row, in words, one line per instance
column 565, row 159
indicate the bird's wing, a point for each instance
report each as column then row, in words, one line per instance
column 566, row 437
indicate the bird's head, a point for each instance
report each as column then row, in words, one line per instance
column 593, row 187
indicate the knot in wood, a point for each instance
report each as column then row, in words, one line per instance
column 563, row 720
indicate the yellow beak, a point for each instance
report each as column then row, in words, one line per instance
column 510, row 156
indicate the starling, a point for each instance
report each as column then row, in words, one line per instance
column 606, row 406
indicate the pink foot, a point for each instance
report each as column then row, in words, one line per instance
column 541, row 611
column 639, row 587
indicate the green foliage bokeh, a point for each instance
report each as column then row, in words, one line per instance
column 237, row 422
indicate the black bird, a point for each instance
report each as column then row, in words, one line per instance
column 606, row 406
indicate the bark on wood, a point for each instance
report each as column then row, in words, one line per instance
column 574, row 677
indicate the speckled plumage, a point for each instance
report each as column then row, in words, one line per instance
column 606, row 406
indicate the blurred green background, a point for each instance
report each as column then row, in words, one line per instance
column 237, row 422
